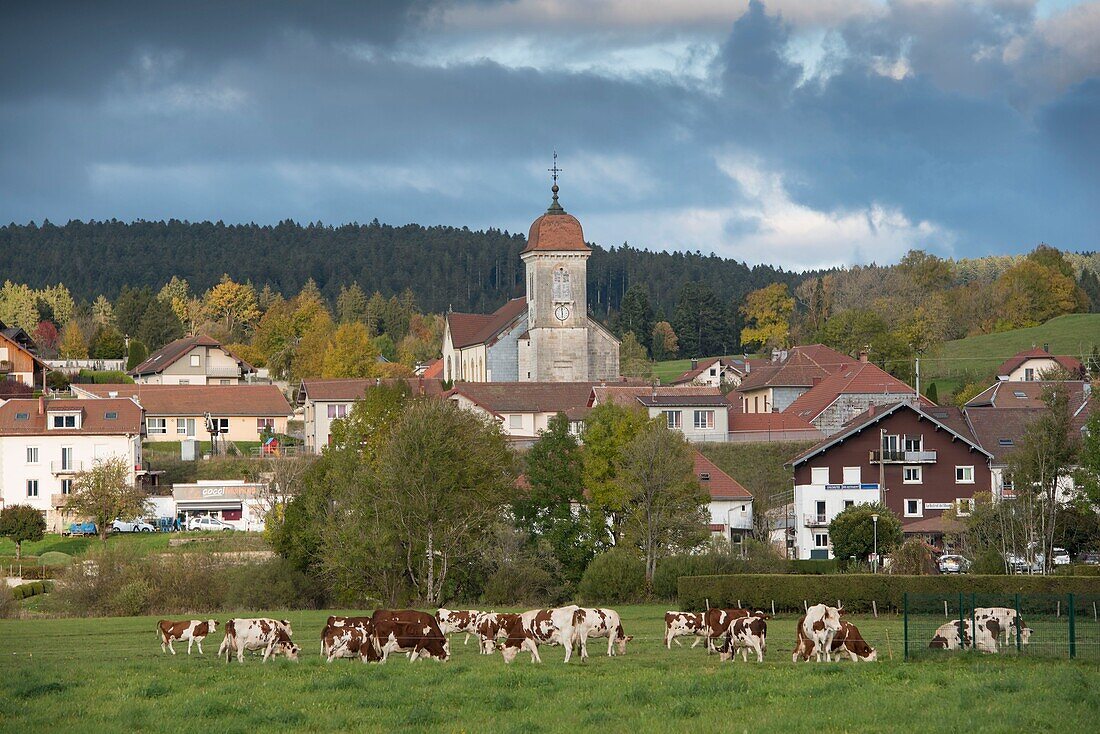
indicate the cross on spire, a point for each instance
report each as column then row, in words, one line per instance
column 555, row 207
column 555, row 170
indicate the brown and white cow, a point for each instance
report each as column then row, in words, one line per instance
column 270, row 635
column 679, row 624
column 334, row 625
column 540, row 627
column 458, row 620
column 192, row 630
column 1007, row 620
column 411, row 631
column 356, row 640
column 847, row 641
column 955, row 636
column 820, row 625
column 489, row 626
column 599, row 623
column 745, row 634
column 717, row 621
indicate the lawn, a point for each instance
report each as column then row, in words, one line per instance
column 109, row 674
column 670, row 369
column 136, row 542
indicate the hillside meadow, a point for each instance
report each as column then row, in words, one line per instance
column 110, row 674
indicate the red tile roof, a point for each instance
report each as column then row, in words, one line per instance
column 720, row 485
column 435, row 369
column 169, row 353
column 627, row 395
column 859, row 378
column 1020, row 394
column 737, row 365
column 761, row 422
column 802, row 365
column 556, row 231
column 1070, row 364
column 527, row 397
column 468, row 329
column 194, row 400
column 94, row 420
column 353, row 388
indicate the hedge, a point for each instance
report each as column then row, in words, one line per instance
column 1078, row 569
column 25, row 591
column 857, row 591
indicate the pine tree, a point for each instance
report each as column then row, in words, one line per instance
column 351, row 304
column 73, row 343
column 636, row 315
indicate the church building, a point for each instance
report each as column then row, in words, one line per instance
column 546, row 336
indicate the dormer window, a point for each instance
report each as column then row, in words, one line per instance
column 65, row 421
column 704, row 476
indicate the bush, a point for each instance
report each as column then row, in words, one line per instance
column 989, row 562
column 913, row 558
column 54, row 558
column 614, row 577
column 521, row 583
column 856, row 591
column 1077, row 569
column 102, row 377
column 8, row 607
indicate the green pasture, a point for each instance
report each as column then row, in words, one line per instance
column 110, row 674
column 207, row 541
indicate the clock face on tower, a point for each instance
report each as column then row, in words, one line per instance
column 561, row 312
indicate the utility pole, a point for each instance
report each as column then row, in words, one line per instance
column 881, row 464
column 918, row 378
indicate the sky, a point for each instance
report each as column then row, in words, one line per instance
column 799, row 133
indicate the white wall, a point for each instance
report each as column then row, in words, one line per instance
column 806, row 497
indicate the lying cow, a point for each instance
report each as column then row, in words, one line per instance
column 745, row 634
column 270, row 635
column 599, row 623
column 954, row 635
column 334, row 625
column 353, row 641
column 489, row 626
column 192, row 630
column 458, row 620
column 540, row 627
column 678, row 624
column 1007, row 620
column 410, row 631
column 820, row 625
column 717, row 621
column 847, row 641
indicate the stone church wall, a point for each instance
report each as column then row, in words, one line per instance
column 603, row 355
column 503, row 360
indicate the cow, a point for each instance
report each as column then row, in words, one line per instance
column 847, row 641
column 678, row 624
column 954, row 635
column 489, row 626
column 820, row 625
column 599, row 623
column 270, row 635
column 540, row 627
column 744, row 634
column 411, row 631
column 716, row 621
column 192, row 630
column 356, row 640
column 458, row 620
column 334, row 625
column 1007, row 620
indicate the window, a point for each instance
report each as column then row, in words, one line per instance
column 32, row 487
column 820, row 506
column 225, row 382
column 673, row 418
column 184, row 382
column 64, row 421
column 515, row 421
column 819, row 475
column 914, row 443
column 337, row 411
column 853, row 475
column 704, row 476
column 220, row 425
column 576, row 427
column 1005, row 442
column 1029, row 374
column 964, row 475
column 849, row 503
column 704, row 419
column 890, row 443
column 821, row 540
column 196, row 360
column 911, row 475
column 965, row 506
column 67, row 458
column 914, row 508
column 185, row 427
column 32, row 454
column 22, row 416
column 713, row 372
column 265, row 424
column 110, row 415
column 66, row 486
column 156, row 426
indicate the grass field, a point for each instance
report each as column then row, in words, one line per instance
column 670, row 369
column 134, row 542
column 109, row 674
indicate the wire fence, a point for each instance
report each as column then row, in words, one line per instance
column 1029, row 625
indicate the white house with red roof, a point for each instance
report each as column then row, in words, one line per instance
column 1037, row 364
column 701, row 413
column 716, row 372
column 545, row 336
column 730, row 502
column 192, row 360
column 770, row 388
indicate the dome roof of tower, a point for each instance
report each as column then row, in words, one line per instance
column 556, row 231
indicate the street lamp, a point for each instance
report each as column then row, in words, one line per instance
column 874, row 522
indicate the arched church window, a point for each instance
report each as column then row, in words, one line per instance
column 562, row 288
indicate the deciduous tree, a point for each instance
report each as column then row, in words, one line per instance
column 234, row 304
column 607, row 431
column 21, row 523
column 665, row 344
column 73, row 343
column 633, row 360
column 768, row 312
column 350, row 352
column 105, row 493
column 852, row 532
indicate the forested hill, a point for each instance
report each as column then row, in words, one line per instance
column 444, row 266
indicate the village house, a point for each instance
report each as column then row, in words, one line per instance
column 769, row 427
column 19, row 360
column 326, row 400
column 1038, row 364
column 45, row 443
column 772, row 387
column 238, row 503
column 179, row 412
column 192, row 360
column 525, row 409
column 922, row 462
column 700, row 413
column 717, row 372
column 730, row 503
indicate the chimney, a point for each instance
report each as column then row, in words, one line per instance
column 694, row 364
column 862, row 355
column 815, row 381
column 1046, row 348
column 420, row 385
column 41, row 405
column 871, row 411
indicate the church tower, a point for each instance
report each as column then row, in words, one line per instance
column 556, row 347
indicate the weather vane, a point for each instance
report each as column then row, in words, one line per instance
column 555, row 170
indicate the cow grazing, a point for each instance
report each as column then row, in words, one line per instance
column 408, row 630
column 270, row 635
column 599, row 623
column 745, row 634
column 678, row 624
column 847, row 641
column 820, row 625
column 334, row 625
column 353, row 641
column 491, row 625
column 192, row 630
column 717, row 621
column 540, row 627
column 954, row 635
column 458, row 620
column 1007, row 620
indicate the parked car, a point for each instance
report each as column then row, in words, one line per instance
column 951, row 563
column 135, row 526
column 1061, row 557
column 207, row 523
column 1089, row 559
column 1020, row 564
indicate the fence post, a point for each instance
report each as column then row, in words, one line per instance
column 1072, row 628
column 905, row 607
column 1019, row 624
column 962, row 624
column 974, row 625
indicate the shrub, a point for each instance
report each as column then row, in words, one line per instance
column 54, row 558
column 523, row 582
column 988, row 562
column 912, row 559
column 102, row 377
column 613, row 578
column 1078, row 569
column 8, row 607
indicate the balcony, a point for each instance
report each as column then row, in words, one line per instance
column 223, row 372
column 65, row 467
column 902, row 457
column 815, row 521
column 6, row 366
